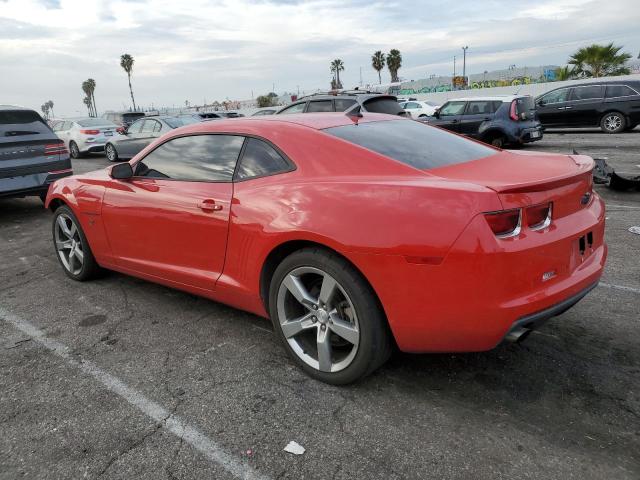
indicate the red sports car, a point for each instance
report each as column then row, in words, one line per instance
column 352, row 233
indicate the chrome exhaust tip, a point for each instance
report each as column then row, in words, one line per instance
column 517, row 335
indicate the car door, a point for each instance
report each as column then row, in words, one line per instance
column 449, row 115
column 126, row 143
column 551, row 107
column 413, row 108
column 63, row 131
column 170, row 220
column 148, row 133
column 584, row 105
column 475, row 114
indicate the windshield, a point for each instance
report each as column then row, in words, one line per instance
column 412, row 143
column 383, row 105
column 95, row 122
column 21, row 122
column 130, row 117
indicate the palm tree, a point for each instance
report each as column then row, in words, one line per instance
column 564, row 73
column 377, row 62
column 337, row 66
column 126, row 62
column 45, row 110
column 92, row 88
column 599, row 61
column 49, row 105
column 394, row 62
column 86, row 88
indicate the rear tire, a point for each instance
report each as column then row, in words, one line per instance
column 111, row 152
column 71, row 246
column 74, row 151
column 613, row 122
column 497, row 140
column 327, row 317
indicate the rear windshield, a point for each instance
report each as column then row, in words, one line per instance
column 176, row 122
column 525, row 107
column 129, row 117
column 412, row 143
column 95, row 122
column 383, row 105
column 21, row 122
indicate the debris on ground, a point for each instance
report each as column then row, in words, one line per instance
column 294, row 447
column 635, row 229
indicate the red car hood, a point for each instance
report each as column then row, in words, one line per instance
column 519, row 171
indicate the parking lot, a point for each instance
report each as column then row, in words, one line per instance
column 121, row 378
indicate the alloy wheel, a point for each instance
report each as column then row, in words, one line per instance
column 75, row 152
column 612, row 123
column 318, row 319
column 111, row 153
column 69, row 244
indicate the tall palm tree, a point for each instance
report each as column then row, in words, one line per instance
column 377, row 62
column 337, row 66
column 92, row 88
column 86, row 88
column 564, row 73
column 599, row 61
column 45, row 110
column 126, row 62
column 394, row 62
column 49, row 105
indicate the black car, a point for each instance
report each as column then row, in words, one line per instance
column 123, row 119
column 31, row 155
column 343, row 101
column 499, row 121
column 613, row 106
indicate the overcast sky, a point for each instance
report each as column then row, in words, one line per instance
column 196, row 49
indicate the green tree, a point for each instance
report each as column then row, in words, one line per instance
column 86, row 88
column 92, row 88
column 126, row 62
column 599, row 61
column 87, row 102
column 49, row 105
column 337, row 66
column 394, row 62
column 265, row 101
column 45, row 110
column 377, row 62
column 564, row 73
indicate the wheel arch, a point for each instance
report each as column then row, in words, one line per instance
column 284, row 249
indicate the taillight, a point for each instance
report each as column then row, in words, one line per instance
column 539, row 216
column 513, row 111
column 504, row 224
column 120, row 130
column 90, row 132
column 55, row 149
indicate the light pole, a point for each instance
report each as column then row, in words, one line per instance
column 454, row 71
column 464, row 65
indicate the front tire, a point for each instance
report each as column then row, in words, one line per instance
column 327, row 317
column 72, row 247
column 613, row 122
column 111, row 153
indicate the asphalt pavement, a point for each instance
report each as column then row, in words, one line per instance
column 120, row 378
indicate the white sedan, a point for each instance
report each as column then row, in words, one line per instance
column 419, row 109
column 85, row 135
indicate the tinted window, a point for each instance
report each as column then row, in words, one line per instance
column 135, row 127
column 200, row 158
column 21, row 122
column 149, row 126
column 130, row 117
column 412, row 143
column 382, row 105
column 586, row 93
column 344, row 104
column 482, row 107
column 259, row 159
column 619, row 91
column 556, row 96
column 297, row 108
column 452, row 108
column 320, row 106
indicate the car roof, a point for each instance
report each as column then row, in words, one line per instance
column 496, row 98
column 317, row 121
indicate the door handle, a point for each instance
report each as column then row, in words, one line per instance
column 568, row 108
column 209, row 205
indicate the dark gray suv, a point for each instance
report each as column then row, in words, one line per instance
column 31, row 155
column 344, row 101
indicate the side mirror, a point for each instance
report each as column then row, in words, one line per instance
column 437, row 113
column 540, row 102
column 121, row 171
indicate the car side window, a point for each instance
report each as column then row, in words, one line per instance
column 452, row 108
column 587, row 93
column 149, row 126
column 557, row 96
column 297, row 108
column 157, row 127
column 320, row 106
column 196, row 158
column 480, row 108
column 135, row 127
column 260, row 159
column 614, row 91
column 412, row 105
column 344, row 104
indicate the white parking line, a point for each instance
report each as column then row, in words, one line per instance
column 155, row 411
column 617, row 205
column 619, row 287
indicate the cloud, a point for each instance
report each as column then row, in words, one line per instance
column 230, row 48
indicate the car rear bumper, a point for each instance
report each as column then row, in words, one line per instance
column 470, row 299
column 531, row 135
column 31, row 184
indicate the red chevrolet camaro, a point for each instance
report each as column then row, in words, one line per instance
column 352, row 233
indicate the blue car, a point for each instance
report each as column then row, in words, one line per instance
column 498, row 121
column 31, row 155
